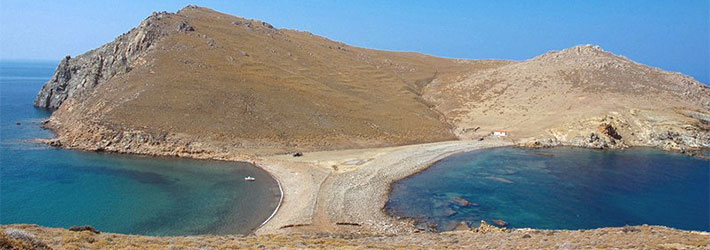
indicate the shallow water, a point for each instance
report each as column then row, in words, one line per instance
column 115, row 193
column 558, row 188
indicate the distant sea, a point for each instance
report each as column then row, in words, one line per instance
column 115, row 193
column 558, row 188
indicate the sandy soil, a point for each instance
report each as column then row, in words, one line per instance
column 345, row 191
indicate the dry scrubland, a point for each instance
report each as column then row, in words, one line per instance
column 202, row 84
column 485, row 237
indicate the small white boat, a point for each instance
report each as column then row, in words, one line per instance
column 249, row 178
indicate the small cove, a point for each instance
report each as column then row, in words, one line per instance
column 115, row 193
column 558, row 188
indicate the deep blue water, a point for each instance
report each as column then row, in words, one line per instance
column 115, row 193
column 559, row 188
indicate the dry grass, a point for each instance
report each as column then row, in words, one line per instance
column 560, row 89
column 637, row 237
column 246, row 85
column 241, row 86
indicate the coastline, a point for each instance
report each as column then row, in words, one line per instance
column 281, row 199
column 343, row 191
column 313, row 187
column 356, row 199
column 336, row 199
column 201, row 84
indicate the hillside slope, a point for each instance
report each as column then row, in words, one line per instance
column 582, row 96
column 228, row 82
column 199, row 82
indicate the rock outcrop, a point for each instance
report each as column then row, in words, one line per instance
column 680, row 131
column 80, row 75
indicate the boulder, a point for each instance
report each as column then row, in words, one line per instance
column 463, row 226
column 184, row 26
column 84, row 228
column 485, row 228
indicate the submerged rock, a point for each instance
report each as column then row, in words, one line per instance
column 500, row 223
column 461, row 202
column 449, row 212
column 499, row 179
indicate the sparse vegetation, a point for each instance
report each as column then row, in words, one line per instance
column 204, row 84
column 641, row 237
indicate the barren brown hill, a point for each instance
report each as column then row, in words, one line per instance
column 202, row 82
column 582, row 96
column 227, row 82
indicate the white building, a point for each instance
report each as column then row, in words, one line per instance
column 500, row 133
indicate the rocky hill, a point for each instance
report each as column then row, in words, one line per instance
column 202, row 83
column 582, row 96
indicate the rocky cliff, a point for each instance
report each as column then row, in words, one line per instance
column 78, row 76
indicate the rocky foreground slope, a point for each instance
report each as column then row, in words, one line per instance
column 484, row 237
column 199, row 82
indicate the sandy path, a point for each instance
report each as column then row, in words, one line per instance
column 342, row 191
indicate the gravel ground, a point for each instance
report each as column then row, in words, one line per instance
column 637, row 237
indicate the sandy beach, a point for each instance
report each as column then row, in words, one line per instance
column 345, row 191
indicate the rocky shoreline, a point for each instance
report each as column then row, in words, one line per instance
column 616, row 132
column 330, row 194
column 325, row 191
column 332, row 191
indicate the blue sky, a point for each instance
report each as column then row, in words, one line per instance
column 673, row 35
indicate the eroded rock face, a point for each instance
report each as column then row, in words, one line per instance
column 80, row 75
column 681, row 131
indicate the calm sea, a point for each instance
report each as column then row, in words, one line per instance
column 115, row 193
column 559, row 188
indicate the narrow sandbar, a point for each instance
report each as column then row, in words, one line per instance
column 344, row 191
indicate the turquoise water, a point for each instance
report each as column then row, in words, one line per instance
column 115, row 193
column 558, row 188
